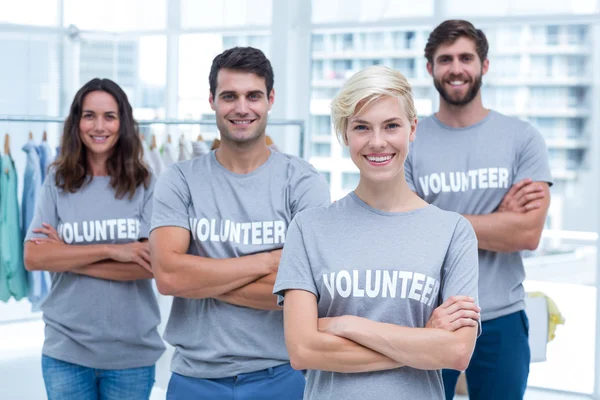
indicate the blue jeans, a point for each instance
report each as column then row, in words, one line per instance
column 500, row 364
column 281, row 382
column 67, row 381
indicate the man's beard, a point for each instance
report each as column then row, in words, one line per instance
column 468, row 97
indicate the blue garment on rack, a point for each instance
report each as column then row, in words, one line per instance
column 45, row 154
column 13, row 277
column 39, row 281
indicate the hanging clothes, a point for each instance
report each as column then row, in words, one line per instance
column 38, row 160
column 147, row 160
column 199, row 147
column 169, row 155
column 45, row 153
column 184, row 151
column 157, row 161
column 13, row 277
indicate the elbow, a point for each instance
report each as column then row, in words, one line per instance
column 531, row 241
column 164, row 283
column 298, row 359
column 30, row 261
column 460, row 357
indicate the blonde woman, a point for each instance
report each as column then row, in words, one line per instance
column 379, row 287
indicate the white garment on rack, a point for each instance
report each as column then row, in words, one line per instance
column 147, row 158
column 169, row 155
column 200, row 147
column 184, row 151
column 157, row 161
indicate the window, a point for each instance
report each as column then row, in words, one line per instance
column 368, row 63
column 372, row 41
column 552, row 35
column 321, row 125
column 405, row 65
column 318, row 42
column 576, row 35
column 326, row 175
column 321, row 150
column 342, row 69
column 350, row 180
column 507, row 66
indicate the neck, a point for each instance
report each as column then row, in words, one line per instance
column 243, row 158
column 464, row 115
column 389, row 196
column 97, row 164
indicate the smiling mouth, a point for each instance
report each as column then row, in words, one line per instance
column 241, row 121
column 379, row 159
column 99, row 139
column 457, row 83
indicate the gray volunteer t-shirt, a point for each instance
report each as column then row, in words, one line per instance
column 469, row 171
column 388, row 267
column 94, row 322
column 231, row 215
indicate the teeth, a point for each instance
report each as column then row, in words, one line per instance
column 457, row 83
column 379, row 159
column 99, row 138
column 241, row 122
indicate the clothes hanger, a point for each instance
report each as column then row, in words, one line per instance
column 169, row 138
column 44, row 137
column 30, row 135
column 6, row 149
column 153, row 143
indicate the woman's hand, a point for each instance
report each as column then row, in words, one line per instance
column 455, row 313
column 135, row 252
column 50, row 232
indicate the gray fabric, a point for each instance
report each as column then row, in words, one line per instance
column 469, row 170
column 94, row 322
column 231, row 215
column 388, row 267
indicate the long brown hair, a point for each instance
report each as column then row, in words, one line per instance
column 125, row 165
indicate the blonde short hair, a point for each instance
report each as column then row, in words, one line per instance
column 365, row 87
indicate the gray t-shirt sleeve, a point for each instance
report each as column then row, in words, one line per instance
column 294, row 271
column 146, row 212
column 309, row 190
column 45, row 209
column 171, row 200
column 532, row 159
column 408, row 172
column 460, row 272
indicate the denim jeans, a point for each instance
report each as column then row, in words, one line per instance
column 500, row 364
column 281, row 382
column 67, row 381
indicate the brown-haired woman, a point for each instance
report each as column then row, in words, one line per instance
column 89, row 230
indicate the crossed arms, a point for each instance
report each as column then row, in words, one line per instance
column 124, row 262
column 244, row 281
column 353, row 344
column 518, row 222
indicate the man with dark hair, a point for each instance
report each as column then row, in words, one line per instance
column 219, row 223
column 494, row 170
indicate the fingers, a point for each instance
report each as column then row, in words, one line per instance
column 517, row 186
column 143, row 263
column 530, row 193
column 461, row 323
column 462, row 306
column 145, row 255
column 454, row 299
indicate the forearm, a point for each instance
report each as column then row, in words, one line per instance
column 504, row 232
column 59, row 257
column 257, row 294
column 325, row 352
column 421, row 348
column 114, row 271
column 196, row 277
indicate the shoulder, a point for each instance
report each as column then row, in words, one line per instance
column 293, row 164
column 452, row 221
column 523, row 129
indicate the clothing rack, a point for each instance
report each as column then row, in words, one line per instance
column 211, row 122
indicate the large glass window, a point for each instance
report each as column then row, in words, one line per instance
column 116, row 15
column 29, row 12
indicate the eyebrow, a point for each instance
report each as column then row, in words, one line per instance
column 94, row 112
column 459, row 55
column 228, row 92
column 361, row 121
